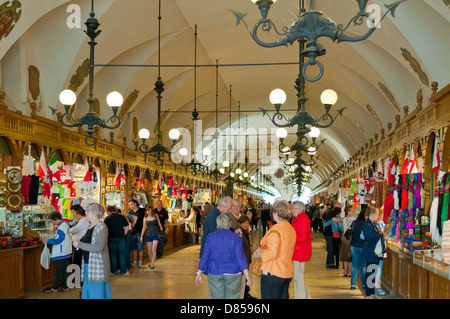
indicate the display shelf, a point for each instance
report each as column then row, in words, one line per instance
column 432, row 260
column 35, row 218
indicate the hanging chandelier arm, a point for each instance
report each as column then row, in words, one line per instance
column 359, row 19
column 267, row 25
column 113, row 119
column 328, row 119
column 69, row 117
column 277, row 116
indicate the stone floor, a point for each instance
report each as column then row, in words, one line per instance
column 174, row 275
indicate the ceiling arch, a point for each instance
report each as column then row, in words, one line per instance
column 374, row 79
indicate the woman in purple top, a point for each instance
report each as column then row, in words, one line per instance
column 223, row 261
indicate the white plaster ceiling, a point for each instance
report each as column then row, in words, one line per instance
column 130, row 37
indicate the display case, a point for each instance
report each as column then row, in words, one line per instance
column 36, row 218
column 432, row 260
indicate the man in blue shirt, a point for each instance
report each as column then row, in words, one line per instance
column 210, row 225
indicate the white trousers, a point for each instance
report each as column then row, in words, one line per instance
column 300, row 289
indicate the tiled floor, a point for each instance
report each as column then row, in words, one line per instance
column 174, row 275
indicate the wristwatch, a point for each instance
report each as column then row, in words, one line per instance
column 199, row 272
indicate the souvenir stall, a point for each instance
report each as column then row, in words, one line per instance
column 417, row 263
column 73, row 184
column 136, row 188
column 115, row 187
column 17, row 244
column 173, row 192
column 174, row 196
column 202, row 196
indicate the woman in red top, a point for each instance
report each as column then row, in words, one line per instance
column 302, row 249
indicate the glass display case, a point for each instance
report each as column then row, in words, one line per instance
column 36, row 218
column 432, row 260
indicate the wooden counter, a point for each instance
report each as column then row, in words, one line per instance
column 11, row 273
column 402, row 278
column 21, row 271
column 169, row 243
column 180, row 236
column 37, row 278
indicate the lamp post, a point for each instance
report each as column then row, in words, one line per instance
column 68, row 97
column 158, row 150
column 307, row 126
column 311, row 25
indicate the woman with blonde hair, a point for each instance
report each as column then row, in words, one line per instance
column 151, row 228
column 276, row 251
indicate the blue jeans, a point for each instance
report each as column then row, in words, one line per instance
column 330, row 251
column 128, row 240
column 117, row 253
column 357, row 264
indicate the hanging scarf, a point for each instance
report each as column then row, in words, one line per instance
column 397, row 192
column 444, row 212
column 441, row 202
column 410, row 189
column 434, row 231
column 389, row 201
column 404, row 187
column 417, row 189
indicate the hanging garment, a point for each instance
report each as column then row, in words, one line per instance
column 34, row 189
column 27, row 166
column 409, row 219
column 434, row 231
column 410, row 190
column 397, row 192
column 417, row 191
column 441, row 202
column 389, row 201
column 404, row 190
column 26, row 180
column 445, row 203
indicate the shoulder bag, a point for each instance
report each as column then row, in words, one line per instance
column 256, row 264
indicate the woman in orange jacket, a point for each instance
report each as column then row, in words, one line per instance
column 276, row 250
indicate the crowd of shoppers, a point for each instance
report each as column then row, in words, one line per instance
column 101, row 244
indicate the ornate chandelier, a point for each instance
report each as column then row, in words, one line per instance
column 312, row 25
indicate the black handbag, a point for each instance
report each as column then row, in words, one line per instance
column 349, row 232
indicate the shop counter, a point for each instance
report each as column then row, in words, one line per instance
column 37, row 278
column 170, row 235
column 180, row 236
column 21, row 271
column 11, row 273
column 410, row 277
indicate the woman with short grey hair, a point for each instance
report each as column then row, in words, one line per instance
column 223, row 261
column 97, row 209
column 299, row 204
column 223, row 221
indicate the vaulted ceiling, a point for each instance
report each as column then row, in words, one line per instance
column 374, row 78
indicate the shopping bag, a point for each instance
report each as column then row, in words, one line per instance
column 379, row 248
column 45, row 257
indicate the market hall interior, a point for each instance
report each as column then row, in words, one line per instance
column 386, row 101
